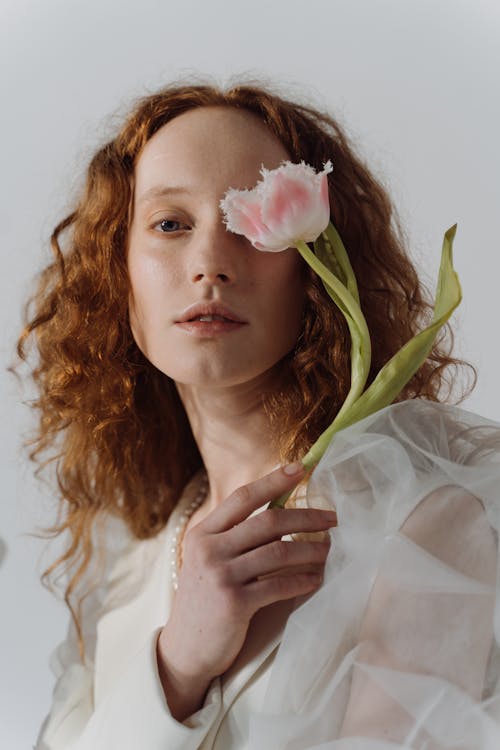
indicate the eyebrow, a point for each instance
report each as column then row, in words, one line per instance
column 160, row 191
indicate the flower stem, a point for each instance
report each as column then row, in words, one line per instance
column 343, row 297
column 358, row 328
column 334, row 240
column 397, row 372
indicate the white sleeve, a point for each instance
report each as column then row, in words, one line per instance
column 72, row 698
column 414, row 638
column 400, row 646
column 133, row 714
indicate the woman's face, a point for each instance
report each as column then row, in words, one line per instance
column 180, row 255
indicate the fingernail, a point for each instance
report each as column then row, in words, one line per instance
column 295, row 468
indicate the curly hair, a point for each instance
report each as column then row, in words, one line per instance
column 112, row 424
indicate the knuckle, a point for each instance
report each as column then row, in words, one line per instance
column 280, row 551
column 281, row 584
column 273, row 519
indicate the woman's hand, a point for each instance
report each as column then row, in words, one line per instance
column 221, row 583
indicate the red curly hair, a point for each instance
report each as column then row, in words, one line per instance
column 110, row 422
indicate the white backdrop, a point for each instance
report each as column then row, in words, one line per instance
column 415, row 81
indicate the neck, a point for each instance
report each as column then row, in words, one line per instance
column 233, row 435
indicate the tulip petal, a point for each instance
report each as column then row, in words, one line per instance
column 243, row 213
column 292, row 205
column 287, row 200
column 324, row 189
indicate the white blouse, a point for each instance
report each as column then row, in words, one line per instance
column 117, row 701
column 399, row 648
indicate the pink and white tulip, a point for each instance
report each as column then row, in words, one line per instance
column 288, row 205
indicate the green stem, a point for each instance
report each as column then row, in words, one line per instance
column 330, row 250
column 347, row 303
column 334, row 239
column 360, row 336
column 402, row 366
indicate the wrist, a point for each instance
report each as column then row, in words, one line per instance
column 185, row 688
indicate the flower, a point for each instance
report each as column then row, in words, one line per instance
column 289, row 208
column 289, row 204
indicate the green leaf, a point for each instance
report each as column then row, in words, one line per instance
column 393, row 377
column 404, row 364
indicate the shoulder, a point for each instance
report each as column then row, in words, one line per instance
column 451, row 524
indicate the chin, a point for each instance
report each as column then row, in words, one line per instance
column 228, row 376
column 219, row 367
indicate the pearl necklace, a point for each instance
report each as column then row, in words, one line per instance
column 176, row 545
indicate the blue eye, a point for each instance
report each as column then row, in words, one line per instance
column 169, row 225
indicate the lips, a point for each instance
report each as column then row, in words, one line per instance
column 209, row 312
column 209, row 321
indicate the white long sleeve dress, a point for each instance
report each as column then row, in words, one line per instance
column 399, row 648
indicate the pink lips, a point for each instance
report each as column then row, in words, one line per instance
column 208, row 308
column 223, row 320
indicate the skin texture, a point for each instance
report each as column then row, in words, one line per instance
column 220, row 379
column 198, row 259
column 233, row 565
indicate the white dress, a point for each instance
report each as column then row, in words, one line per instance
column 399, row 648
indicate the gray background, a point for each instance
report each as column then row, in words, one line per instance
column 415, row 81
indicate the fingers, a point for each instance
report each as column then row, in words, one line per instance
column 272, row 524
column 277, row 556
column 278, row 588
column 245, row 500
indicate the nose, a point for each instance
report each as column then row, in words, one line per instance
column 217, row 257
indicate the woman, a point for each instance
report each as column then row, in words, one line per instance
column 181, row 367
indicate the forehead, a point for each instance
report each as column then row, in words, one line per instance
column 221, row 146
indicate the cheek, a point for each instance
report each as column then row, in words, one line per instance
column 151, row 283
column 147, row 273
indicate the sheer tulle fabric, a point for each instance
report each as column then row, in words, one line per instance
column 400, row 646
